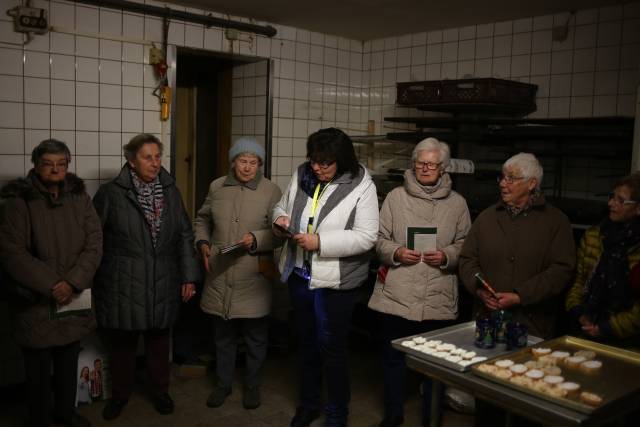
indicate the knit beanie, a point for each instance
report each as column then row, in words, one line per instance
column 246, row 144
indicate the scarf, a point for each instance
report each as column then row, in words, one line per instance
column 430, row 189
column 608, row 290
column 308, row 181
column 514, row 211
column 151, row 200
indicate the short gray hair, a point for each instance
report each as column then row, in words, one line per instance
column 432, row 144
column 527, row 164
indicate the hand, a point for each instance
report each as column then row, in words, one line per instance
column 407, row 256
column 283, row 221
column 489, row 300
column 205, row 251
column 188, row 291
column 62, row 292
column 308, row 242
column 434, row 258
column 591, row 330
column 507, row 299
column 585, row 320
column 247, row 241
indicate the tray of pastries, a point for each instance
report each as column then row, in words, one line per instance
column 452, row 347
column 573, row 372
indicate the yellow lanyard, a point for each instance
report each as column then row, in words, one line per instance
column 317, row 194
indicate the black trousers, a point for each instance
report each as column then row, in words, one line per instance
column 255, row 334
column 40, row 399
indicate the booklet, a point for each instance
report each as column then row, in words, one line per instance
column 80, row 304
column 230, row 248
column 422, row 239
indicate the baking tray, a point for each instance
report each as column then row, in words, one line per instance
column 463, row 336
column 617, row 379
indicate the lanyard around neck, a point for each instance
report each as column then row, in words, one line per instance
column 317, row 194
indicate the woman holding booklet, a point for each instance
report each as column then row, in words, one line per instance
column 422, row 228
column 50, row 248
column 233, row 235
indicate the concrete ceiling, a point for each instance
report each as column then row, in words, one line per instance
column 372, row 19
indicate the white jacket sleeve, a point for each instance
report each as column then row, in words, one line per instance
column 362, row 237
column 283, row 206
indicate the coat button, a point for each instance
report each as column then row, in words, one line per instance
column 512, row 258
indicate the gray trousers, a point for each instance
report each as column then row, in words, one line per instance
column 254, row 332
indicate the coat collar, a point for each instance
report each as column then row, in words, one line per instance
column 538, row 203
column 414, row 188
column 231, row 180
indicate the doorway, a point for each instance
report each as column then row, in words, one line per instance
column 217, row 99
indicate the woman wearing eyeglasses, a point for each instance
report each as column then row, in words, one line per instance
column 331, row 208
column 523, row 247
column 50, row 248
column 420, row 290
column 604, row 301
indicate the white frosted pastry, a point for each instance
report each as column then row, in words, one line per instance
column 478, row 359
column 590, row 398
column 553, row 379
column 409, row 343
column 464, row 362
column 574, row 361
column 431, row 343
column 560, row 354
column 535, row 374
column 569, row 386
column 591, row 366
column 458, row 351
column 445, row 347
column 540, row 351
column 504, row 364
column 441, row 354
column 518, row 369
column 453, row 358
column 469, row 355
column 436, row 342
column 587, row 354
column 551, row 370
column 419, row 340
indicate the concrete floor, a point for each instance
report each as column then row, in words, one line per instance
column 278, row 399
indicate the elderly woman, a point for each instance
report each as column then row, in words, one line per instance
column 149, row 265
column 331, row 211
column 236, row 291
column 604, row 300
column 50, row 248
column 420, row 290
column 523, row 247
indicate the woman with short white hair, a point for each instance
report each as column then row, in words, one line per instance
column 417, row 288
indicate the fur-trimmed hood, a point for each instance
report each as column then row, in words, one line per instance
column 30, row 187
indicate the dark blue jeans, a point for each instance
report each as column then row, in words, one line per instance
column 322, row 321
column 394, row 368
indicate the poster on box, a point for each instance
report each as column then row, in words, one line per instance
column 93, row 372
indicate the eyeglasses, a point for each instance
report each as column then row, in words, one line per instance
column 508, row 178
column 429, row 165
column 321, row 165
column 620, row 201
column 252, row 163
column 50, row 165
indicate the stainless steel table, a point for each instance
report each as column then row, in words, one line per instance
column 513, row 401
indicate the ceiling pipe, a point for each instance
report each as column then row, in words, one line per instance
column 162, row 12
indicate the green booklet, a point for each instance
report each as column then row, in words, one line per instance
column 422, row 239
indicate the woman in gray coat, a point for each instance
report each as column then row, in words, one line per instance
column 417, row 290
column 236, row 291
column 50, row 248
column 149, row 265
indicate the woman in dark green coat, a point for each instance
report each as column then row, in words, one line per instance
column 149, row 265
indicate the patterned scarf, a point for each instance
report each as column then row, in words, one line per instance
column 151, row 199
column 514, row 211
